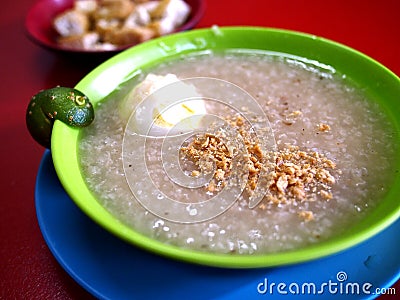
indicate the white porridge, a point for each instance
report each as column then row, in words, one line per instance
column 316, row 118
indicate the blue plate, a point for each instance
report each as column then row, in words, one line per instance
column 109, row 268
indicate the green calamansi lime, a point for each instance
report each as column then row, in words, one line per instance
column 60, row 103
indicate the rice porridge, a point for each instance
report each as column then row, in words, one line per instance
column 329, row 165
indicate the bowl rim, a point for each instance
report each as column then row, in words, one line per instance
column 34, row 32
column 121, row 66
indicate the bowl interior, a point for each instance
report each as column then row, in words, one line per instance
column 377, row 81
column 39, row 23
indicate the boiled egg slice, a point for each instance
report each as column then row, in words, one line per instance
column 163, row 105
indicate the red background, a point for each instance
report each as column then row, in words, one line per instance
column 27, row 268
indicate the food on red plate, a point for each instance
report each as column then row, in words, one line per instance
column 109, row 24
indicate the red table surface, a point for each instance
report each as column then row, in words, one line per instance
column 27, row 268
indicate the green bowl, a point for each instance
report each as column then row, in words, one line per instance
column 375, row 79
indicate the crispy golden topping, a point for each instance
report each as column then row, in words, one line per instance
column 206, row 151
column 292, row 174
column 306, row 215
column 324, row 127
column 300, row 175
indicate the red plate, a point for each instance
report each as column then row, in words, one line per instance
column 39, row 23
